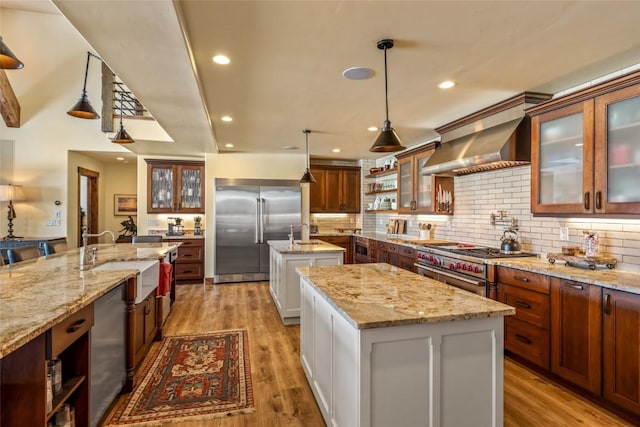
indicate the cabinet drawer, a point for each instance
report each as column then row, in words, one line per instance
column 527, row 341
column 192, row 270
column 407, row 252
column 531, row 307
column 189, row 242
column 190, row 254
column 394, row 249
column 407, row 263
column 70, row 329
column 524, row 279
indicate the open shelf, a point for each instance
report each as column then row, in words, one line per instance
column 382, row 173
column 392, row 190
column 381, row 210
column 67, row 389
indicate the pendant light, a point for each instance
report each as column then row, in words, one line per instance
column 122, row 137
column 83, row 109
column 307, row 177
column 8, row 60
column 388, row 140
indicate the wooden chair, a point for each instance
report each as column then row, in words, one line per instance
column 22, row 253
column 153, row 238
column 55, row 247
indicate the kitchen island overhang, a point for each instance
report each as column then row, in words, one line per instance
column 380, row 345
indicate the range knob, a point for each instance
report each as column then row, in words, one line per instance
column 476, row 269
column 464, row 267
column 458, row 265
column 452, row 266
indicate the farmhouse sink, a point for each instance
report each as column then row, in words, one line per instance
column 148, row 274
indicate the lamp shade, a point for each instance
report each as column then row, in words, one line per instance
column 10, row 192
column 8, row 60
column 83, row 109
column 122, row 137
column 307, row 177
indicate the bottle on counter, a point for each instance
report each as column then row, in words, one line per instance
column 590, row 243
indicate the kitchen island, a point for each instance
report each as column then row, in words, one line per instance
column 383, row 346
column 284, row 283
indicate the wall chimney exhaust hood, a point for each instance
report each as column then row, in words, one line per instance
column 494, row 138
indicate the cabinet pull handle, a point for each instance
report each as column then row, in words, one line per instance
column 587, row 196
column 146, row 310
column 75, row 326
column 523, row 339
column 187, row 255
column 573, row 286
column 606, row 300
column 187, row 271
column 598, row 199
column 522, row 279
column 522, row 304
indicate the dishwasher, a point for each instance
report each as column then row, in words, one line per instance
column 108, row 351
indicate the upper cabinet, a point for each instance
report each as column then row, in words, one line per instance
column 585, row 151
column 418, row 193
column 175, row 186
column 336, row 190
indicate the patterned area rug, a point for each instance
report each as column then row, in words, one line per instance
column 191, row 377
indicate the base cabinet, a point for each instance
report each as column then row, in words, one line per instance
column 346, row 242
column 146, row 326
column 413, row 375
column 189, row 266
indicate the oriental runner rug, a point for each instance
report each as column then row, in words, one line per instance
column 191, row 377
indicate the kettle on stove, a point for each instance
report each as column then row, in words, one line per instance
column 510, row 244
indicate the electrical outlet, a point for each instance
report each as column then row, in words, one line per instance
column 564, row 233
column 153, row 222
column 53, row 223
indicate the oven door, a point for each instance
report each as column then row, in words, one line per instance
column 476, row 286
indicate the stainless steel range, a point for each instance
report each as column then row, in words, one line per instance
column 460, row 264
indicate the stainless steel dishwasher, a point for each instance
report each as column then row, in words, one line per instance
column 108, row 351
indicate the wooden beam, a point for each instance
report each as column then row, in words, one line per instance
column 107, row 99
column 9, row 105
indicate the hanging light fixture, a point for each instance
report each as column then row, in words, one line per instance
column 307, row 177
column 388, row 140
column 122, row 137
column 8, row 60
column 83, row 109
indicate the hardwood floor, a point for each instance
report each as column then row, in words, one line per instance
column 281, row 393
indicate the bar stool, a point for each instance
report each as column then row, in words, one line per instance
column 55, row 247
column 152, row 238
column 22, row 253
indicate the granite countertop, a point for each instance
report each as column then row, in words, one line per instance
column 380, row 295
column 37, row 294
column 310, row 247
column 183, row 237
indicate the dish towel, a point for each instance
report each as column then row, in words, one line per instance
column 164, row 282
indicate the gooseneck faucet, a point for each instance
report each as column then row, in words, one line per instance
column 291, row 240
column 84, row 253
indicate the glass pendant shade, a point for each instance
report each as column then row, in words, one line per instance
column 307, row 177
column 83, row 109
column 8, row 60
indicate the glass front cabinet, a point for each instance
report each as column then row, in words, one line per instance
column 585, row 151
column 175, row 187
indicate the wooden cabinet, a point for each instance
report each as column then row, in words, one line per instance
column 189, row 266
column 346, row 242
column 621, row 349
column 336, row 190
column 396, row 255
column 406, row 258
column 585, row 151
column 418, row 193
column 526, row 333
column 576, row 333
column 175, row 186
column 146, row 326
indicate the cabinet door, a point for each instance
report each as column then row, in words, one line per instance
column 317, row 191
column 406, row 200
column 150, row 321
column 617, row 163
column 160, row 188
column 621, row 344
column 191, row 186
column 423, row 184
column 576, row 333
column 350, row 191
column 333, row 190
column 562, row 160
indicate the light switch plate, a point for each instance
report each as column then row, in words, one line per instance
column 564, row 233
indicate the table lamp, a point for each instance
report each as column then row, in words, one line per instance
column 10, row 193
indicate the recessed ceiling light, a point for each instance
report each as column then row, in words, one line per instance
column 447, row 84
column 221, row 59
column 290, row 147
column 357, row 73
column 120, row 158
column 372, row 128
column 336, row 150
column 228, row 145
column 226, row 118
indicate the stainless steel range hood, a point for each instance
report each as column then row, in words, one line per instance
column 491, row 139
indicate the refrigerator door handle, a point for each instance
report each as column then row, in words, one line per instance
column 258, row 221
column 262, row 203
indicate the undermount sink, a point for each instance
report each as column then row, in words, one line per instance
column 148, row 274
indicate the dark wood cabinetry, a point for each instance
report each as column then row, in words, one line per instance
column 576, row 333
column 396, row 255
column 336, row 190
column 189, row 267
column 346, row 242
column 585, row 150
column 146, row 321
column 621, row 349
column 175, row 186
column 526, row 333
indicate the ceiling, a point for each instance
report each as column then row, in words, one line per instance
column 287, row 59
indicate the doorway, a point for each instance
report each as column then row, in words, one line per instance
column 88, row 208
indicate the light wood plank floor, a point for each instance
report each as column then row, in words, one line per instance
column 281, row 394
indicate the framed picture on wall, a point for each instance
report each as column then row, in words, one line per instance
column 125, row 204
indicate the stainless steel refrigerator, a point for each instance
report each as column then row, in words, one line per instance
column 248, row 213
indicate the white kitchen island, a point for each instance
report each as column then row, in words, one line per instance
column 381, row 346
column 284, row 283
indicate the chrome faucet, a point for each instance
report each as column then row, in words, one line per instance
column 84, row 253
column 291, row 241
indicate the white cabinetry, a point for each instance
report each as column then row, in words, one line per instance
column 284, row 282
column 431, row 374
